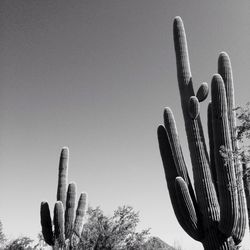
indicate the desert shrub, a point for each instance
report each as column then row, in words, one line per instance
column 116, row 232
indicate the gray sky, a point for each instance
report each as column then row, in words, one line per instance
column 95, row 76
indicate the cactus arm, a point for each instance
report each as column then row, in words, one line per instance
column 80, row 213
column 188, row 210
column 202, row 92
column 193, row 108
column 211, row 145
column 63, row 176
column 170, row 171
column 204, row 186
column 246, row 181
column 78, row 224
column 172, row 133
column 225, row 173
column 70, row 210
column 46, row 223
column 59, row 223
column 171, row 174
column 241, row 226
column 225, row 70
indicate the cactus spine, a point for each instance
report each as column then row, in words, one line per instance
column 67, row 226
column 214, row 212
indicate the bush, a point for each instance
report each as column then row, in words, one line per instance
column 115, row 232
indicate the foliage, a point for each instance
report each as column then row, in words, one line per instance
column 242, row 137
column 115, row 232
column 243, row 116
column 41, row 242
column 2, row 236
column 243, row 132
column 21, row 243
column 242, row 154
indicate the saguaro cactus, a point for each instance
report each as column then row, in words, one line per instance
column 214, row 212
column 68, row 223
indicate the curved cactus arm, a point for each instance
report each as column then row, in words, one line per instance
column 188, row 211
column 46, row 223
column 241, row 227
column 63, row 176
column 171, row 174
column 246, row 181
column 175, row 145
column 59, row 223
column 225, row 172
column 70, row 210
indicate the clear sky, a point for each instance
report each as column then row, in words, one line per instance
column 95, row 76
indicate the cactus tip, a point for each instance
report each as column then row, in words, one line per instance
column 167, row 111
column 84, row 195
column 167, row 115
column 216, row 78
column 59, row 203
column 193, row 107
column 178, row 178
column 178, row 23
column 202, row 92
column 160, row 130
column 223, row 54
column 177, row 19
column 65, row 152
column 72, row 185
column 179, row 181
column 223, row 61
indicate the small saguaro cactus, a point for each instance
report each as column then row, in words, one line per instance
column 68, row 221
column 215, row 211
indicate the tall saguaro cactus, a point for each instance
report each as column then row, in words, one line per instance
column 214, row 212
column 68, row 221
